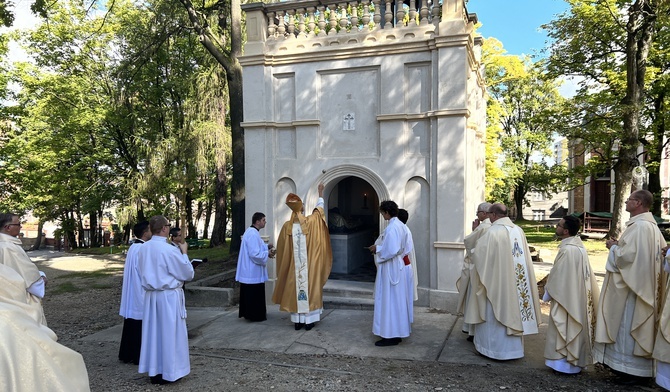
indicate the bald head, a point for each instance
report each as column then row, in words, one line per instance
column 497, row 211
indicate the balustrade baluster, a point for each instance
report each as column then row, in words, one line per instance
column 333, row 19
column 322, row 21
column 354, row 17
column 423, row 14
column 272, row 27
column 399, row 14
column 282, row 25
column 291, row 24
column 310, row 21
column 412, row 13
column 301, row 23
column 388, row 16
column 343, row 18
column 366, row 15
column 377, row 18
column 436, row 12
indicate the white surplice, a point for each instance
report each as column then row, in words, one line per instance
column 253, row 258
column 391, row 315
column 410, row 271
column 164, row 269
column 132, row 293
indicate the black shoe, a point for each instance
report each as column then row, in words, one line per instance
column 309, row 326
column 299, row 326
column 470, row 338
column 627, row 379
column 383, row 342
column 158, row 379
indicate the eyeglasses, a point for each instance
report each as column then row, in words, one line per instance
column 486, row 212
column 631, row 199
column 13, row 224
column 168, row 225
column 560, row 225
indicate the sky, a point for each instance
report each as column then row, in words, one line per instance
column 516, row 23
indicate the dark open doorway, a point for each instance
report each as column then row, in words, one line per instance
column 353, row 223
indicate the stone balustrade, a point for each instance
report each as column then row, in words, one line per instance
column 304, row 19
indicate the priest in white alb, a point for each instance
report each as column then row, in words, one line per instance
column 573, row 291
column 464, row 285
column 630, row 296
column 164, row 269
column 409, row 258
column 391, row 320
column 132, row 298
column 506, row 302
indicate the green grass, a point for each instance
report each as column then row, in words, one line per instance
column 103, row 250
column 212, row 254
column 545, row 237
column 93, row 274
column 65, row 287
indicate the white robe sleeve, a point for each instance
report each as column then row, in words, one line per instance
column 38, row 287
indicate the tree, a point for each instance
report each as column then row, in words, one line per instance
column 521, row 103
column 219, row 27
column 607, row 43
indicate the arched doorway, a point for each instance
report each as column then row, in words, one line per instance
column 353, row 223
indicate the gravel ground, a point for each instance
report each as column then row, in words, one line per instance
column 81, row 303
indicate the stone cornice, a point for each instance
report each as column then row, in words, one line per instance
column 274, row 124
column 344, row 47
column 448, row 245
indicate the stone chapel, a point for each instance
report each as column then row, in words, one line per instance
column 378, row 100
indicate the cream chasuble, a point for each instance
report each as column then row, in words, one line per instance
column 574, row 293
column 629, row 301
column 495, row 278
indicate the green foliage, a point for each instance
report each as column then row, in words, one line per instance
column 521, row 118
column 122, row 106
column 617, row 49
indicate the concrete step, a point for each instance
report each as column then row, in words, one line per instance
column 349, row 289
column 342, row 294
column 348, row 303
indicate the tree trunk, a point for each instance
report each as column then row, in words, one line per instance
column 519, row 195
column 38, row 240
column 237, row 186
column 639, row 30
column 188, row 209
column 93, row 232
column 208, row 217
column 219, row 230
column 657, row 153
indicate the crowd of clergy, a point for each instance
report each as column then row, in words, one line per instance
column 625, row 325
column 304, row 261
